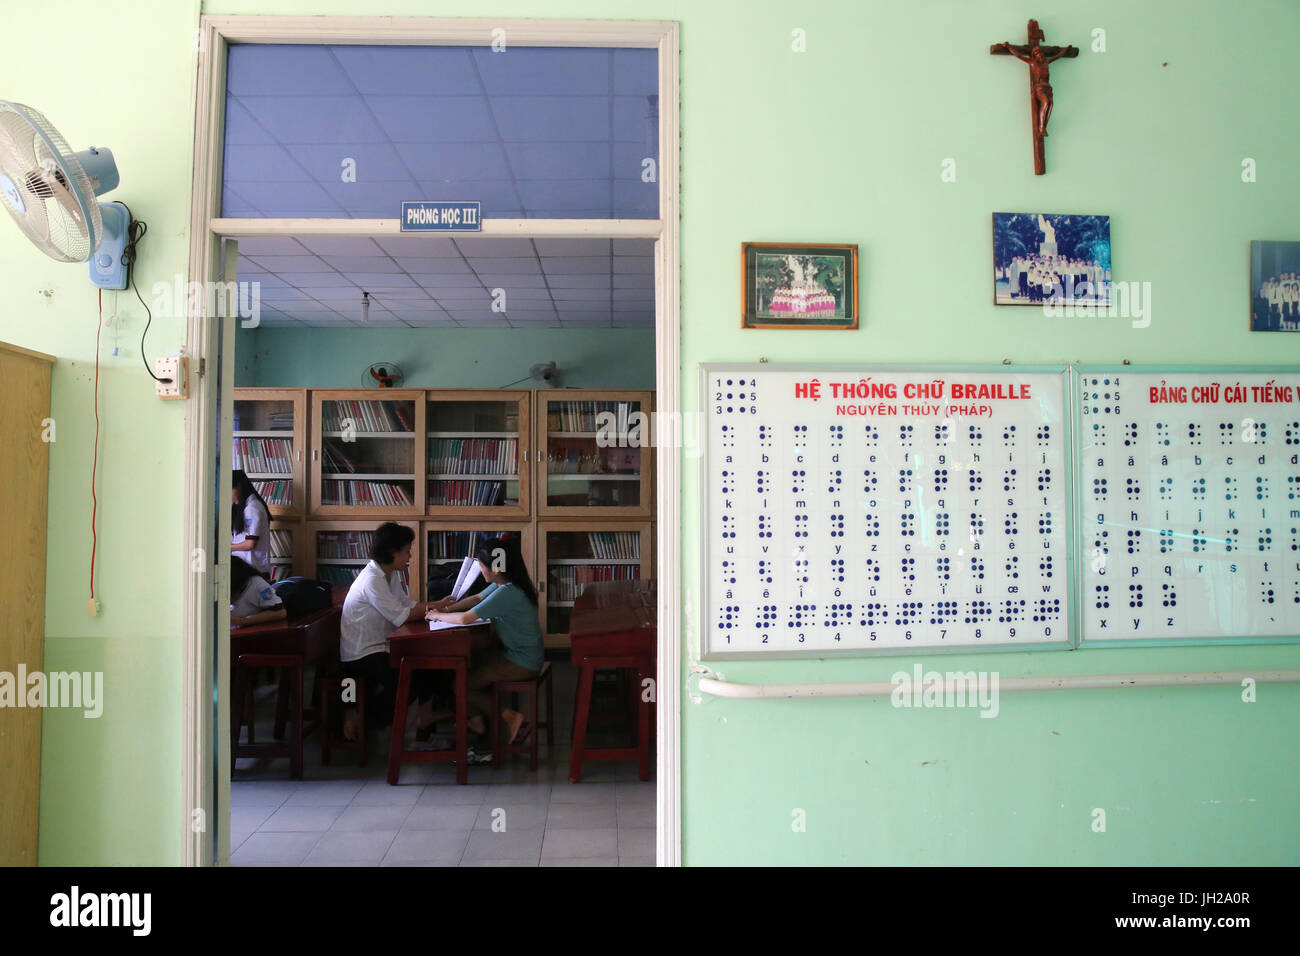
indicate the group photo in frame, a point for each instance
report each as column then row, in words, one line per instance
column 811, row 286
column 1049, row 258
column 1274, row 286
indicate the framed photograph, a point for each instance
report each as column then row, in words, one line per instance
column 799, row 287
column 1274, row 286
column 1048, row 258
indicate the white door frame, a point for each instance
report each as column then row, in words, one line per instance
column 205, row 644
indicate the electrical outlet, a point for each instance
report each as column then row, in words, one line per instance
column 176, row 368
column 93, row 607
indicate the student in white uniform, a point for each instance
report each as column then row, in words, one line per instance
column 252, row 599
column 378, row 604
column 250, row 524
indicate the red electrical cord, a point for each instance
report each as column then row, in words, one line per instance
column 94, row 466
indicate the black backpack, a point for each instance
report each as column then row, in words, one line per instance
column 303, row 595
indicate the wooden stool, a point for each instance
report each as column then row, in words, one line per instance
column 332, row 690
column 642, row 665
column 531, row 688
column 287, row 703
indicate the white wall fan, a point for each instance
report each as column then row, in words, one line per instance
column 51, row 191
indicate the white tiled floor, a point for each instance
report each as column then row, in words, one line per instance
column 344, row 815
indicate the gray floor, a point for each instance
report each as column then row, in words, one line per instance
column 345, row 815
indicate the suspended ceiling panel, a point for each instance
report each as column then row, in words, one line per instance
column 353, row 131
column 468, row 282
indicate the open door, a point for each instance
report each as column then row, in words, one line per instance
column 25, row 434
column 225, row 386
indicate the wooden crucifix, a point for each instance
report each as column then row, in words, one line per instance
column 1040, row 90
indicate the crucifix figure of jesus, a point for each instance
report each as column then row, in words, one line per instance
column 1037, row 57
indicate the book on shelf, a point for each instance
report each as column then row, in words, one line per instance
column 584, row 416
column 344, row 544
column 263, row 455
column 356, row 492
column 336, row 460
column 368, row 416
column 281, row 543
column 614, row 545
column 473, row 456
column 278, row 491
column 452, row 544
column 567, row 581
column 444, row 491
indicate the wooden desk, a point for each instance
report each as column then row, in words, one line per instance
column 311, row 638
column 614, row 626
column 414, row 647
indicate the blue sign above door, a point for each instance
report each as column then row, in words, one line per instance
column 441, row 217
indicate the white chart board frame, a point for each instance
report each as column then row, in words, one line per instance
column 1069, row 590
column 1082, row 531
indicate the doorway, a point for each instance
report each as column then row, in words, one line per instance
column 337, row 250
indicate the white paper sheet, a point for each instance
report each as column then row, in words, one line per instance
column 443, row 625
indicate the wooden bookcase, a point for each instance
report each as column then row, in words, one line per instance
column 336, row 551
column 367, row 456
column 476, row 453
column 559, row 462
column 268, row 441
column 573, row 553
column 591, row 458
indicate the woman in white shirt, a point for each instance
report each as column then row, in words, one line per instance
column 377, row 604
column 250, row 524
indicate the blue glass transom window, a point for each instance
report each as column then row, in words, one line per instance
column 353, row 131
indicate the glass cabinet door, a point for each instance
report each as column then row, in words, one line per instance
column 365, row 452
column 594, row 454
column 575, row 554
column 475, row 453
column 267, row 443
column 340, row 549
column 448, row 543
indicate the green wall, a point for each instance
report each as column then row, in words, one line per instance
column 1151, row 132
column 1187, row 776
column 445, row 358
column 118, row 75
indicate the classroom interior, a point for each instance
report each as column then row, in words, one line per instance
column 467, row 387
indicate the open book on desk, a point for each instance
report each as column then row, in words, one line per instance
column 443, row 625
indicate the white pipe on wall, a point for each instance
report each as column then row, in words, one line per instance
column 719, row 688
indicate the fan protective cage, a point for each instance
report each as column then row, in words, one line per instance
column 58, row 210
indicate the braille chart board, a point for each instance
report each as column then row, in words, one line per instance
column 852, row 510
column 1188, row 504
